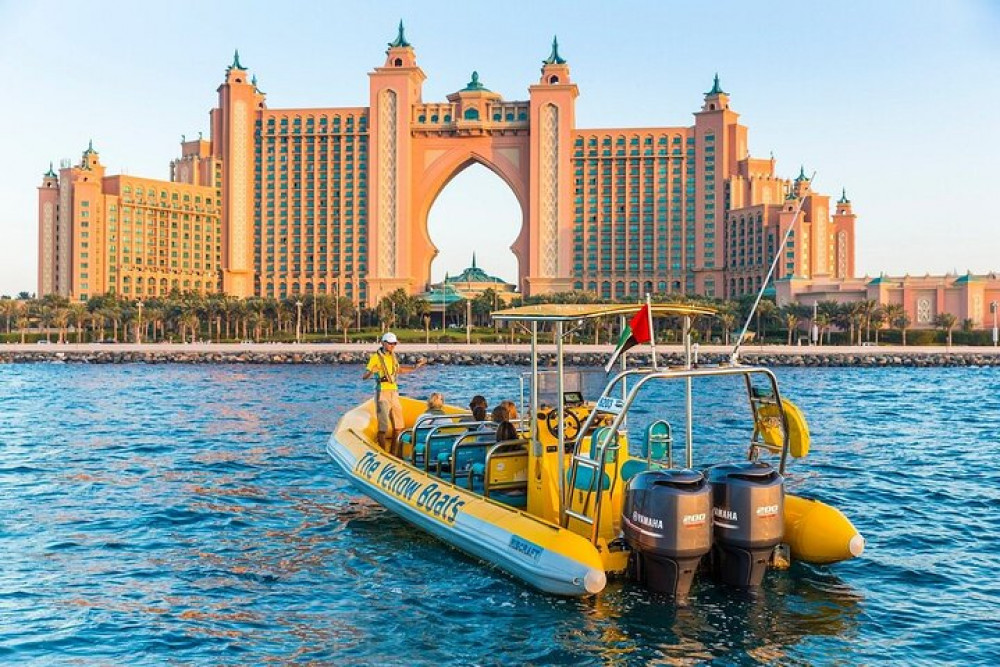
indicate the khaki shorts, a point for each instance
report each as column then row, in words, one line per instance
column 389, row 411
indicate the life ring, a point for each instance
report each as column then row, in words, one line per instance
column 771, row 432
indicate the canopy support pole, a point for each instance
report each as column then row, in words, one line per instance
column 560, row 408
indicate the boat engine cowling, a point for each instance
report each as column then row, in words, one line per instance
column 748, row 520
column 667, row 521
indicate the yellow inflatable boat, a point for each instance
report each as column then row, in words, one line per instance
column 573, row 500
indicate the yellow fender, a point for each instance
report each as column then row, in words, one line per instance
column 818, row 533
column 769, row 424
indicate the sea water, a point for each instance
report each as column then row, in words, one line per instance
column 189, row 514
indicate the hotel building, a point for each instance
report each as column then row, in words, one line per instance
column 335, row 200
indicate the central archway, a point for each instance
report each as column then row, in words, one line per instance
column 475, row 215
column 503, row 158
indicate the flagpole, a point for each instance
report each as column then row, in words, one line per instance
column 652, row 332
column 734, row 356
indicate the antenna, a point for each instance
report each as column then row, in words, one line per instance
column 734, row 357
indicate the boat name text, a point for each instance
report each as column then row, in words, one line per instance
column 430, row 498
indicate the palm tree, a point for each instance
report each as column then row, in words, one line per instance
column 946, row 322
column 9, row 309
column 846, row 318
column 823, row 322
column 22, row 323
column 791, row 315
column 902, row 321
column 60, row 319
column 891, row 313
column 189, row 322
column 79, row 316
column 727, row 317
column 766, row 311
column 878, row 319
column 865, row 309
column 345, row 315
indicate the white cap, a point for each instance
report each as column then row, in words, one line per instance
column 389, row 337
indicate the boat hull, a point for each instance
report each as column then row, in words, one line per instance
column 542, row 554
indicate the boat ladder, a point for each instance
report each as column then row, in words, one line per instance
column 593, row 486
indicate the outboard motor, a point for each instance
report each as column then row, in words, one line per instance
column 667, row 520
column 748, row 503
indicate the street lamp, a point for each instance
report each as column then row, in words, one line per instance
column 994, row 307
column 815, row 327
column 138, row 326
column 298, row 322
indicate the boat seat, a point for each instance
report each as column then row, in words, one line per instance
column 585, row 480
column 633, row 467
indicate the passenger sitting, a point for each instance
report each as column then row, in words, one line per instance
column 505, row 429
column 511, row 409
column 435, row 404
column 478, row 408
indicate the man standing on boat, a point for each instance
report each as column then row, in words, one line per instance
column 385, row 367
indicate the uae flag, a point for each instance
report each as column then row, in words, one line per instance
column 636, row 333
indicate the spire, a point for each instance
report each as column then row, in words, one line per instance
column 236, row 61
column 90, row 148
column 400, row 38
column 554, row 58
column 50, row 173
column 475, row 84
column 843, row 197
column 716, row 87
column 473, row 260
column 802, row 175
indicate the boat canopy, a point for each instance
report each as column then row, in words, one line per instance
column 572, row 312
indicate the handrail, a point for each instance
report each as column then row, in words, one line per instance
column 429, row 419
column 465, row 427
column 474, row 443
column 648, row 375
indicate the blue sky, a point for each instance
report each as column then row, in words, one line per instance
column 896, row 101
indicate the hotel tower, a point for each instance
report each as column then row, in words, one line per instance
column 335, row 200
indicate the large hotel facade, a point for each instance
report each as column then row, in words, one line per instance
column 335, row 200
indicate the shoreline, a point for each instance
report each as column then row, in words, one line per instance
column 489, row 354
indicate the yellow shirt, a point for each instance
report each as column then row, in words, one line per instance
column 386, row 367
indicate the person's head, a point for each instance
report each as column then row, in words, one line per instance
column 435, row 401
column 389, row 341
column 500, row 414
column 511, row 409
column 479, row 413
column 477, row 400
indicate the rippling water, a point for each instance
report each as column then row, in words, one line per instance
column 189, row 514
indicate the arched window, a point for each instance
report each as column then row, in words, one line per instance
column 471, row 114
column 553, row 79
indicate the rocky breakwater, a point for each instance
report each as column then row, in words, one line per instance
column 465, row 356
